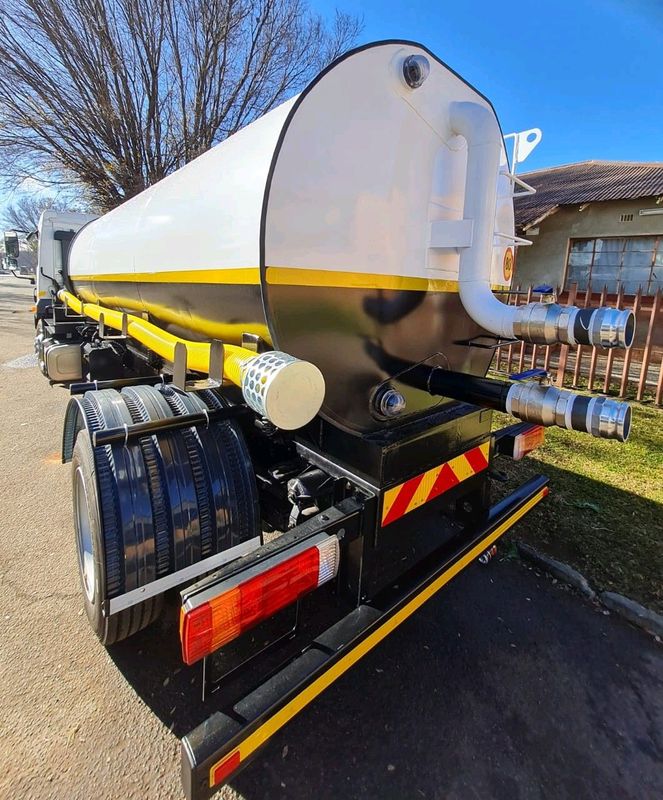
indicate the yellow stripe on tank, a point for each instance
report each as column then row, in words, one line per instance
column 287, row 276
column 241, row 275
column 294, row 276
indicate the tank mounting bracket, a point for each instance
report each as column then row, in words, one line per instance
column 215, row 372
column 102, row 329
column 486, row 341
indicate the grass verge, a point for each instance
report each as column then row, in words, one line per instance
column 604, row 514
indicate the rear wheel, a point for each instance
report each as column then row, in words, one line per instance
column 89, row 547
column 149, row 508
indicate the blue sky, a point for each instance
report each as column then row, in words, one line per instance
column 589, row 73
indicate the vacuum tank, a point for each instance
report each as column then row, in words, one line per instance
column 371, row 214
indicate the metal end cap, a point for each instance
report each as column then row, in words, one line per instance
column 285, row 390
column 611, row 419
column 391, row 403
column 610, row 327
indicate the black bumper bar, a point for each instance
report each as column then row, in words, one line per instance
column 223, row 744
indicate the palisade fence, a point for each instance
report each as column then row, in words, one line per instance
column 636, row 372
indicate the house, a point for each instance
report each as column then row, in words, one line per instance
column 595, row 224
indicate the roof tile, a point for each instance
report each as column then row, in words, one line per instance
column 586, row 182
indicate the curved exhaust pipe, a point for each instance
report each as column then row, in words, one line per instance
column 538, row 323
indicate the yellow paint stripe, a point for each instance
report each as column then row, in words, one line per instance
column 243, row 275
column 461, row 468
column 284, row 276
column 388, row 500
column 293, row 276
column 285, row 714
column 423, row 490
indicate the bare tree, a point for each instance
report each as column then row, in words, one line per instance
column 116, row 94
column 23, row 213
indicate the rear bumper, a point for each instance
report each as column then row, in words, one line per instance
column 224, row 743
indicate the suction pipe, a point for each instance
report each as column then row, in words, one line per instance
column 602, row 417
column 539, row 323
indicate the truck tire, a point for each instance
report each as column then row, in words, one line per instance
column 151, row 507
column 91, row 562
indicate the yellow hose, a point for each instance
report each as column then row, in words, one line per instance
column 161, row 342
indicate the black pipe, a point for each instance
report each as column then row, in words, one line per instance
column 468, row 388
column 445, row 383
column 531, row 402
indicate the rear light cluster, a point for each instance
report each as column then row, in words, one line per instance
column 518, row 440
column 527, row 441
column 248, row 598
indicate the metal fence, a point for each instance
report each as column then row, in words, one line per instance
column 636, row 372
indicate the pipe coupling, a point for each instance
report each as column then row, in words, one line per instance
column 605, row 327
column 546, row 405
column 547, row 323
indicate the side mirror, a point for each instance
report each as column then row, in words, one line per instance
column 12, row 248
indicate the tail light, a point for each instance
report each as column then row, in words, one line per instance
column 518, row 440
column 243, row 600
column 527, row 441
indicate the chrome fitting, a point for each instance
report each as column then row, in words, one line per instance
column 391, row 403
column 609, row 327
column 546, row 405
column 547, row 323
column 610, row 419
column 416, row 68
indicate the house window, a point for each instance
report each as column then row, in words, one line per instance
column 629, row 260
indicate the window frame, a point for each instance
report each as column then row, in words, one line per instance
column 646, row 289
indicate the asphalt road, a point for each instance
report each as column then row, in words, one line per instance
column 503, row 686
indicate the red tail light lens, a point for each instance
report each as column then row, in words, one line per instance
column 216, row 621
column 221, row 771
column 525, row 442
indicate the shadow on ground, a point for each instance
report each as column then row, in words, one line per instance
column 503, row 686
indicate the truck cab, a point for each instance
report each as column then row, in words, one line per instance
column 57, row 343
column 55, row 233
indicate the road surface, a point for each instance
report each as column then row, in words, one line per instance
column 503, row 686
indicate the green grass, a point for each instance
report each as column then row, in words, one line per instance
column 604, row 514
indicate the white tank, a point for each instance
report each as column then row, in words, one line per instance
column 332, row 227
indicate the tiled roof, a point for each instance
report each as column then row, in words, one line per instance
column 586, row 182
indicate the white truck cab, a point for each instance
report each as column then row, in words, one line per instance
column 56, row 231
column 60, row 357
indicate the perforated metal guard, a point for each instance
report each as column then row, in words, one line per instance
column 284, row 389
